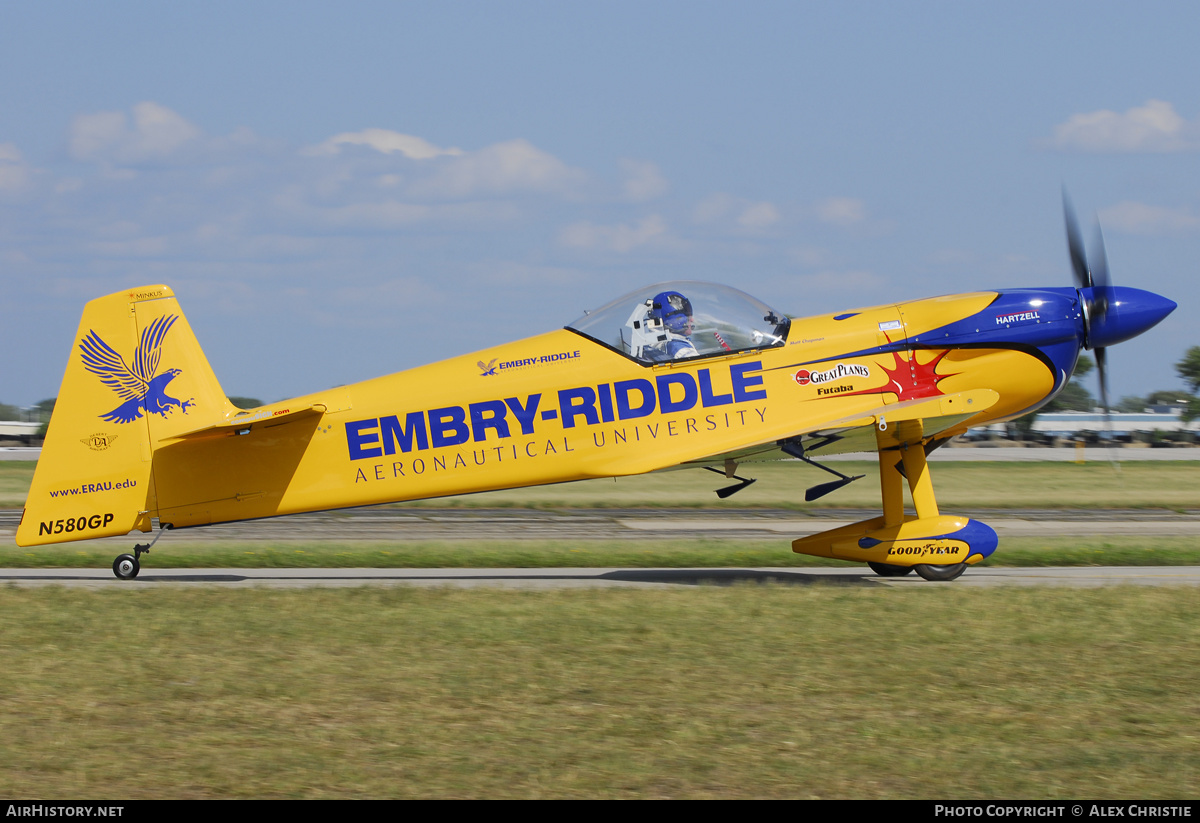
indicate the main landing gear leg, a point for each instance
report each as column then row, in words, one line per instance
column 896, row 544
column 920, row 484
column 127, row 566
column 891, row 487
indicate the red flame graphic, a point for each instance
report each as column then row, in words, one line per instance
column 911, row 378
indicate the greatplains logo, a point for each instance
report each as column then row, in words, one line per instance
column 99, row 441
column 841, row 371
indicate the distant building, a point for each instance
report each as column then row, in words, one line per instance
column 1168, row 408
column 1073, row 424
column 13, row 431
column 1123, row 424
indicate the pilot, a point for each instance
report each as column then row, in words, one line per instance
column 670, row 316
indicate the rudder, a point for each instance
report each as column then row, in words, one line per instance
column 136, row 376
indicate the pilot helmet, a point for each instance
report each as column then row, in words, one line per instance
column 673, row 310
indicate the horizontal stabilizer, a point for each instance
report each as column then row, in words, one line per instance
column 242, row 422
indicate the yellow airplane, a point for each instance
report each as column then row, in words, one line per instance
column 676, row 375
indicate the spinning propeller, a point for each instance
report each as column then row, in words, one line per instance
column 1096, row 295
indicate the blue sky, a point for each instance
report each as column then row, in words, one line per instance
column 336, row 193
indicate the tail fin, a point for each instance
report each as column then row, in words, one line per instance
column 136, row 376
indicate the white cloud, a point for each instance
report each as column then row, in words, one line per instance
column 93, row 134
column 758, row 216
column 808, row 256
column 385, row 142
column 136, row 247
column 514, row 165
column 642, row 181
column 419, row 182
column 391, row 214
column 451, row 173
column 515, row 274
column 713, row 208
column 1154, row 127
column 1141, row 218
column 841, row 211
column 736, row 213
column 387, row 213
column 14, row 174
column 13, row 177
column 854, row 280
column 952, row 257
column 156, row 133
column 620, row 238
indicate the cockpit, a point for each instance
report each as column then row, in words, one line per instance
column 683, row 320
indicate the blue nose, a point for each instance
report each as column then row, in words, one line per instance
column 1130, row 312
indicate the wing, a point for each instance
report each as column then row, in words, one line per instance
column 145, row 359
column 102, row 361
column 892, row 424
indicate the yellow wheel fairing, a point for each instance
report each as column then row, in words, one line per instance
column 942, row 540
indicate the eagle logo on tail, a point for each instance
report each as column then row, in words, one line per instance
column 141, row 387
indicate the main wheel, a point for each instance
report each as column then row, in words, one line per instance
column 888, row 570
column 940, row 573
column 126, row 567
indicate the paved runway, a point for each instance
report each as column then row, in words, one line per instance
column 589, row 578
column 410, row 523
column 382, row 524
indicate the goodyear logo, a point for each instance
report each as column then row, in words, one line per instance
column 945, row 551
column 579, row 406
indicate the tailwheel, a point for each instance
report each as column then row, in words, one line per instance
column 940, row 573
column 126, row 567
column 889, row 570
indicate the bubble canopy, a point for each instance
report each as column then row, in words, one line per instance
column 646, row 325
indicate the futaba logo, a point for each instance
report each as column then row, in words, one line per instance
column 839, row 372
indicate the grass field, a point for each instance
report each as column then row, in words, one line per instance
column 748, row 691
column 1168, row 485
column 962, row 486
column 725, row 692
